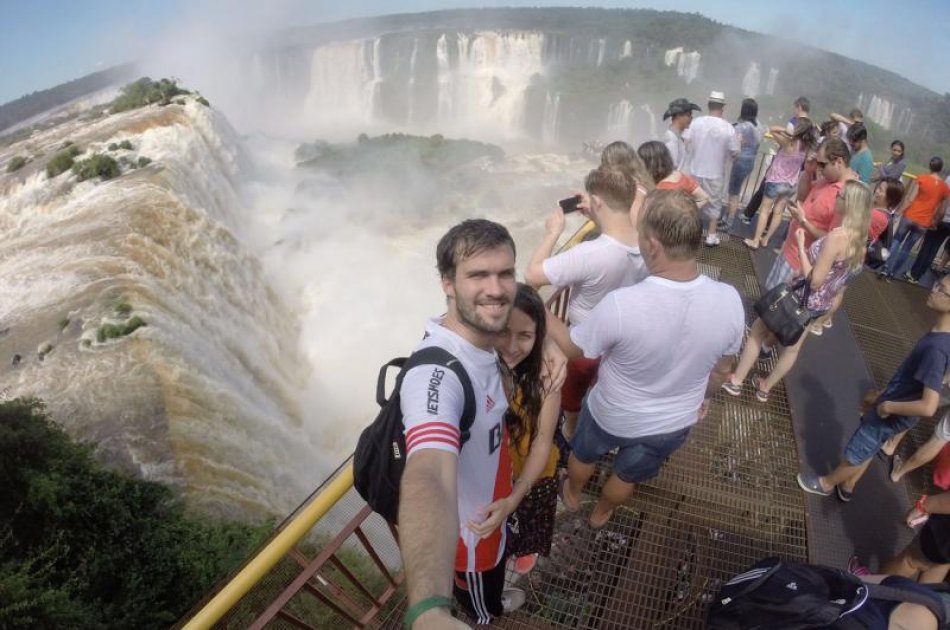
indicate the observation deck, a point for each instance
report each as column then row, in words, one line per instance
column 723, row 501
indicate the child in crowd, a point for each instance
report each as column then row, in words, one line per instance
column 912, row 392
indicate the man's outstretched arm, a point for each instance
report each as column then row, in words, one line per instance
column 429, row 531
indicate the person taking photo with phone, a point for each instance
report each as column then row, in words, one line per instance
column 591, row 269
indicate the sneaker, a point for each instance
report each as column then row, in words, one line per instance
column 512, row 599
column 766, row 352
column 843, row 495
column 732, row 388
column 909, row 278
column 525, row 564
column 712, row 240
column 809, row 482
column 856, row 568
column 745, row 219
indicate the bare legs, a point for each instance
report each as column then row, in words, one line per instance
column 761, row 223
column 733, row 207
column 615, row 492
column 770, row 217
column 758, row 335
column 929, row 450
column 845, row 475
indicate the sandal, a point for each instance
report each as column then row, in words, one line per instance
column 762, row 395
column 594, row 527
column 732, row 388
column 751, row 244
column 560, row 493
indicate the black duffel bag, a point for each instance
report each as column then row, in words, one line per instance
column 783, row 312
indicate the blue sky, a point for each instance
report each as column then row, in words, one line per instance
column 47, row 42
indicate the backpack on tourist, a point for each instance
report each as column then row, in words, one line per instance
column 380, row 455
column 774, row 594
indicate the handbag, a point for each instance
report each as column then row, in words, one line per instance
column 783, row 312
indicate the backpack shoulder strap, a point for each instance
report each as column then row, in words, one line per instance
column 440, row 356
column 897, row 594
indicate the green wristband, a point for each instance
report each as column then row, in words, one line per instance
column 436, row 601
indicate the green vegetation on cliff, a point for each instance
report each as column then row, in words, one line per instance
column 85, row 547
column 62, row 161
column 145, row 92
column 394, row 153
column 98, row 165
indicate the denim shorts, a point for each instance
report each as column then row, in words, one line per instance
column 873, row 432
column 740, row 170
column 778, row 191
column 638, row 459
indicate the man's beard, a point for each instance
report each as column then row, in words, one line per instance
column 469, row 316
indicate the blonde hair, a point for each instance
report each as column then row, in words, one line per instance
column 623, row 156
column 856, row 217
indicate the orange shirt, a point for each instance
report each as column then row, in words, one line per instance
column 931, row 191
column 685, row 183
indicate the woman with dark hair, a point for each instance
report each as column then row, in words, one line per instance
column 888, row 194
column 530, row 423
column 781, row 180
column 895, row 167
column 747, row 129
column 659, row 163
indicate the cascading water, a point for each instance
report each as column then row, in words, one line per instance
column 549, row 129
column 772, row 80
column 619, row 121
column 205, row 395
column 751, row 81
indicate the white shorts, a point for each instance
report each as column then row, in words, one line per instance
column 712, row 187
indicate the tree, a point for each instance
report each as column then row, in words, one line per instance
column 85, row 547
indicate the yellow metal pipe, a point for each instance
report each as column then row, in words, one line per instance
column 263, row 562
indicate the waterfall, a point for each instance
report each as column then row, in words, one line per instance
column 444, row 78
column 772, row 80
column 206, row 396
column 651, row 117
column 627, row 50
column 601, row 49
column 410, row 108
column 343, row 82
column 487, row 88
column 549, row 127
column 619, row 121
column 687, row 64
column 751, row 80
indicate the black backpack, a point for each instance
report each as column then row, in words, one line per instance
column 775, row 595
column 380, row 455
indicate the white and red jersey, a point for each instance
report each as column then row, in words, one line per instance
column 432, row 401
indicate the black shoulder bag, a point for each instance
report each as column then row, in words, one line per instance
column 784, row 313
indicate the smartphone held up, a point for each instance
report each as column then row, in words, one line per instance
column 570, row 204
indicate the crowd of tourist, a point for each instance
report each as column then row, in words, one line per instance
column 649, row 340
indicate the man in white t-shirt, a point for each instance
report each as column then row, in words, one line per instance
column 711, row 143
column 591, row 269
column 680, row 113
column 666, row 346
column 455, row 498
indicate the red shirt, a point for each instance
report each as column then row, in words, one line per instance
column 819, row 208
column 879, row 220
